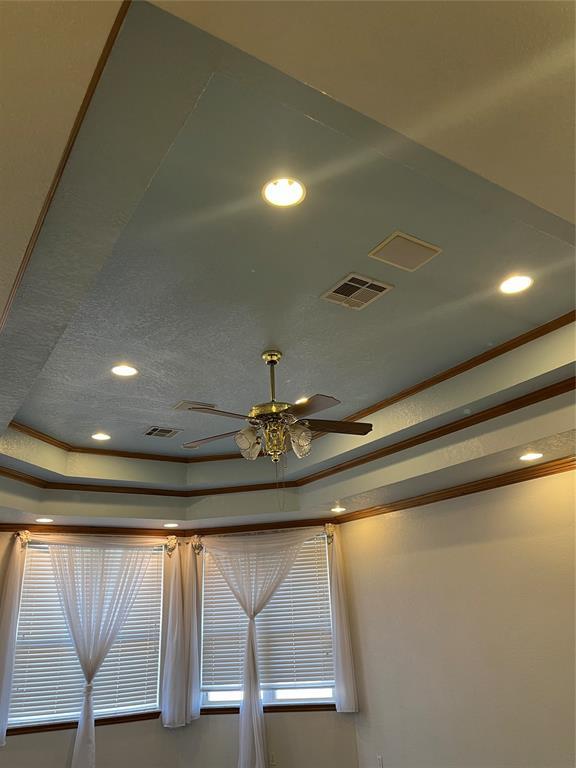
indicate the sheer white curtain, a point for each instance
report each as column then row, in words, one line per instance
column 181, row 693
column 9, row 607
column 97, row 588
column 254, row 566
column 345, row 682
column 95, row 600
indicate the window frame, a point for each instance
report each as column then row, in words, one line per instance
column 125, row 714
column 269, row 693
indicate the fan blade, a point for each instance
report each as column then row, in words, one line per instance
column 340, row 427
column 313, row 405
column 204, row 440
column 203, row 409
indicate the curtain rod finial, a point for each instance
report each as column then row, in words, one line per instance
column 196, row 542
column 24, row 537
column 329, row 528
column 171, row 544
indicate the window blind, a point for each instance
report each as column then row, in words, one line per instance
column 48, row 682
column 294, row 634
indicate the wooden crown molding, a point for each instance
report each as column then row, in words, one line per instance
column 92, row 85
column 467, row 365
column 535, row 472
column 565, row 464
column 69, row 448
column 544, row 393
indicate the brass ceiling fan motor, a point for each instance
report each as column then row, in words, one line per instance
column 275, row 426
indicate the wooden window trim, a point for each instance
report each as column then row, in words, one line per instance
column 137, row 716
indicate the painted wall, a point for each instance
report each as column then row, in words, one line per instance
column 299, row 740
column 463, row 619
column 463, row 623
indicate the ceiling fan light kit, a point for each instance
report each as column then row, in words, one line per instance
column 275, row 427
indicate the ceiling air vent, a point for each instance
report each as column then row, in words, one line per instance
column 162, row 432
column 356, row 291
column 405, row 251
column 190, row 405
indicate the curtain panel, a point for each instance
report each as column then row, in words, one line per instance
column 96, row 599
column 180, row 691
column 254, row 566
column 345, row 680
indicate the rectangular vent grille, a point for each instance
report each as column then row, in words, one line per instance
column 405, row 251
column 356, row 291
column 190, row 405
column 162, row 432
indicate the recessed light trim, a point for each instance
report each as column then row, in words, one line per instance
column 531, row 456
column 301, row 401
column 338, row 508
column 100, row 436
column 171, row 525
column 516, row 284
column 44, row 520
column 122, row 369
column 284, row 192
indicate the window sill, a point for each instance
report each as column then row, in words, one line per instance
column 66, row 724
column 118, row 719
column 271, row 708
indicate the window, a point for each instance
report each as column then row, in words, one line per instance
column 48, row 682
column 294, row 635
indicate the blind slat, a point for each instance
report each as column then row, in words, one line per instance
column 294, row 630
column 48, row 682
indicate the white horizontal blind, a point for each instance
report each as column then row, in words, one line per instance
column 294, row 630
column 48, row 682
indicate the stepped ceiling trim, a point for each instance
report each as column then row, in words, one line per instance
column 539, row 395
column 565, row 464
column 466, row 365
column 75, row 130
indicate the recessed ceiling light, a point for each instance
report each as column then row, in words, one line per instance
column 124, row 370
column 301, row 401
column 100, row 436
column 531, row 456
column 516, row 284
column 171, row 525
column 284, row 192
column 338, row 508
column 44, row 520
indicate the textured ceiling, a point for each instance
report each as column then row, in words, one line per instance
column 489, row 85
column 158, row 249
column 48, row 52
column 206, row 275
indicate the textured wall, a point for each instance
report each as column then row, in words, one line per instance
column 299, row 740
column 464, row 630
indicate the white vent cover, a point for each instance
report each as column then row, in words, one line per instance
column 190, row 405
column 356, row 291
column 162, row 432
column 405, row 251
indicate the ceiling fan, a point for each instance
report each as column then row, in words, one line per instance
column 275, row 426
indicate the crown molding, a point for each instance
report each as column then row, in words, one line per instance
column 545, row 393
column 565, row 464
column 467, row 365
column 69, row 448
column 92, row 85
column 554, row 467
column 539, row 395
